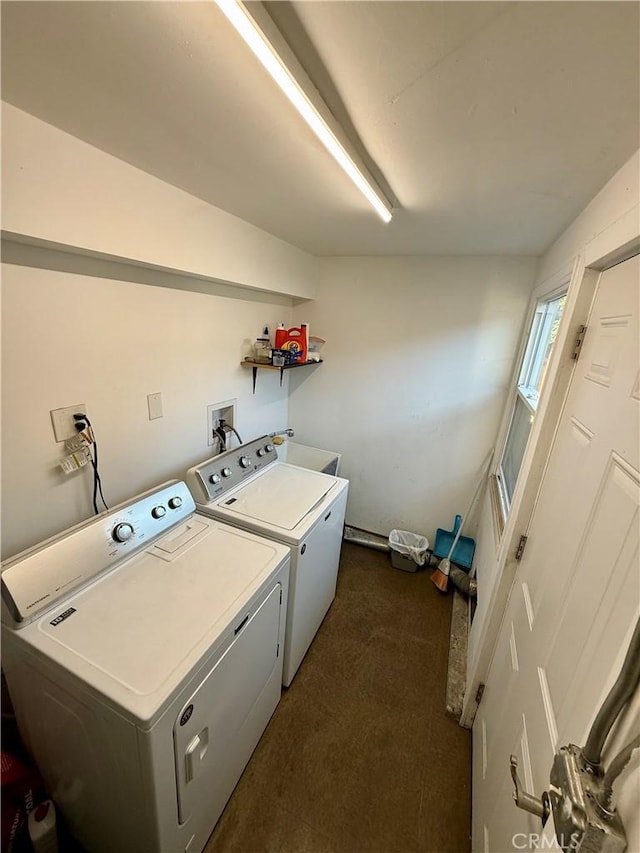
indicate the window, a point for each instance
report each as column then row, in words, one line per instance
column 541, row 338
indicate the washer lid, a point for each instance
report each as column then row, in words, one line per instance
column 282, row 496
column 138, row 631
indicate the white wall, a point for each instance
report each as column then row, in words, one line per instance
column 69, row 339
column 418, row 355
column 59, row 189
column 610, row 221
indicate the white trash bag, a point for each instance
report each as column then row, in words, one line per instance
column 409, row 545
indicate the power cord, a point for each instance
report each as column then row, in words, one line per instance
column 83, row 426
column 223, row 430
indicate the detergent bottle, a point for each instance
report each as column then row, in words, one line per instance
column 280, row 336
column 295, row 340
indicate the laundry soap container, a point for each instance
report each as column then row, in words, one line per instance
column 295, row 340
column 408, row 550
column 262, row 350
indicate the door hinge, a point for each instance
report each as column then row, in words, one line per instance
column 479, row 693
column 578, row 344
column 520, row 549
column 280, row 596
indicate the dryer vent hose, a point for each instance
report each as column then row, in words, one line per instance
column 619, row 695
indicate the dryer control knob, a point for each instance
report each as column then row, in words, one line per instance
column 226, row 472
column 245, row 462
column 122, row 532
column 175, row 503
column 261, row 452
column 214, row 478
column 158, row 512
column 269, row 448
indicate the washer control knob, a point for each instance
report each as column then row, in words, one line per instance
column 175, row 503
column 261, row 452
column 158, row 512
column 245, row 462
column 269, row 448
column 226, row 472
column 122, row 532
column 214, row 478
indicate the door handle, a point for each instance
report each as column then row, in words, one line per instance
column 237, row 630
column 194, row 754
column 528, row 802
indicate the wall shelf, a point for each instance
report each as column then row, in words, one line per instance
column 258, row 365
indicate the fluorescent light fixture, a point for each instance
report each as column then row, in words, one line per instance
column 261, row 47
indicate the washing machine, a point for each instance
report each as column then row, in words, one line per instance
column 251, row 488
column 143, row 653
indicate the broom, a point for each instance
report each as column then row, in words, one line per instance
column 441, row 575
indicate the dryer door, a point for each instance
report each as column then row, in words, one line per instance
column 219, row 725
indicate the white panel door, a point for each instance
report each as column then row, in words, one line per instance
column 575, row 598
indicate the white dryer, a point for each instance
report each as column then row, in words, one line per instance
column 143, row 655
column 251, row 488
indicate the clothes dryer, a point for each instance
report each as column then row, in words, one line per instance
column 143, row 653
column 251, row 488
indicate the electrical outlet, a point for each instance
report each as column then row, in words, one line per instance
column 215, row 412
column 64, row 426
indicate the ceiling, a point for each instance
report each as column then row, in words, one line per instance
column 493, row 123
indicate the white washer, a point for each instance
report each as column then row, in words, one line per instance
column 143, row 654
column 250, row 488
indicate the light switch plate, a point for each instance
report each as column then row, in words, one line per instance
column 154, row 402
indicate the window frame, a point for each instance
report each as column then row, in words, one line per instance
column 536, row 350
column 531, row 354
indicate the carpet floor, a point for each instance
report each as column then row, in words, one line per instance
column 359, row 756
